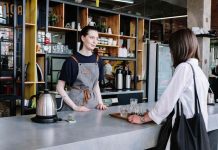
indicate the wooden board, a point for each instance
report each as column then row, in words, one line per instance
column 117, row 115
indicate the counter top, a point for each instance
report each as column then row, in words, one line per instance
column 114, row 92
column 93, row 130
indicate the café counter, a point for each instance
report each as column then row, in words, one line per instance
column 94, row 130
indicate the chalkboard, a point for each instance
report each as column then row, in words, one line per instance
column 164, row 69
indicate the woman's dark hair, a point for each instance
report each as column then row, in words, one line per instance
column 84, row 32
column 183, row 45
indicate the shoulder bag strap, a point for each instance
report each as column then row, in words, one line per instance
column 97, row 58
column 74, row 58
column 197, row 105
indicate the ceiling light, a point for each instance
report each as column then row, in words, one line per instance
column 125, row 1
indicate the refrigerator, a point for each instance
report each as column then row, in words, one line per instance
column 160, row 69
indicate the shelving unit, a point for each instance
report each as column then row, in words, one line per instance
column 124, row 27
column 8, row 61
column 64, row 32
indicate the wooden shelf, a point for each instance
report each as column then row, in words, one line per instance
column 127, row 37
column 40, row 53
column 118, row 58
column 6, row 26
column 108, row 35
column 29, row 82
column 29, row 24
column 102, row 45
column 40, row 82
column 106, row 45
column 53, row 28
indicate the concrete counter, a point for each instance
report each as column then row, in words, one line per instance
column 93, row 130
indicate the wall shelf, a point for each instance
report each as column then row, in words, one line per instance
column 30, row 24
column 118, row 58
column 207, row 35
column 53, row 28
column 127, row 37
column 106, row 45
column 108, row 35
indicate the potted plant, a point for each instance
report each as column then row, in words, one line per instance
column 53, row 19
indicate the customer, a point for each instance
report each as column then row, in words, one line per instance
column 82, row 72
column 184, row 49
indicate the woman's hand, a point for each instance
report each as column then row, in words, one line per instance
column 101, row 106
column 81, row 108
column 139, row 119
column 135, row 119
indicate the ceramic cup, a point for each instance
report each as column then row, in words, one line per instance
column 73, row 25
column 114, row 43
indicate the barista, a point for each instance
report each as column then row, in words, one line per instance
column 81, row 72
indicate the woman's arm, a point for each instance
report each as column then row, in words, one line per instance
column 99, row 98
column 67, row 100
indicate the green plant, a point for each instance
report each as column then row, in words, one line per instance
column 53, row 19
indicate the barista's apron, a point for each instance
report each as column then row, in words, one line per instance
column 81, row 92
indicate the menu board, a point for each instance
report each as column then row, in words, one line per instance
column 164, row 69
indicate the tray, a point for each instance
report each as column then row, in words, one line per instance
column 117, row 115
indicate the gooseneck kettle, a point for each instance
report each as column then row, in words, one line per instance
column 46, row 108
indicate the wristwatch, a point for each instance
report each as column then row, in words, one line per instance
column 142, row 119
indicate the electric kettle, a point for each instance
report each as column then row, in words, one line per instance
column 46, row 108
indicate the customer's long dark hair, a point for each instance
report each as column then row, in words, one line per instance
column 84, row 32
column 183, row 45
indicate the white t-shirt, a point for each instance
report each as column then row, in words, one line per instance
column 181, row 87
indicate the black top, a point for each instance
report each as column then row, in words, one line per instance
column 69, row 69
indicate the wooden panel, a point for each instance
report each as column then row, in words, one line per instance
column 214, row 14
column 114, row 23
column 30, row 52
column 31, row 11
column 133, row 34
column 140, row 59
column 84, row 19
column 140, row 34
column 59, row 10
column 139, row 85
column 29, row 90
column 30, row 47
column 132, row 27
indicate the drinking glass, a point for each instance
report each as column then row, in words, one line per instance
column 133, row 106
column 123, row 111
